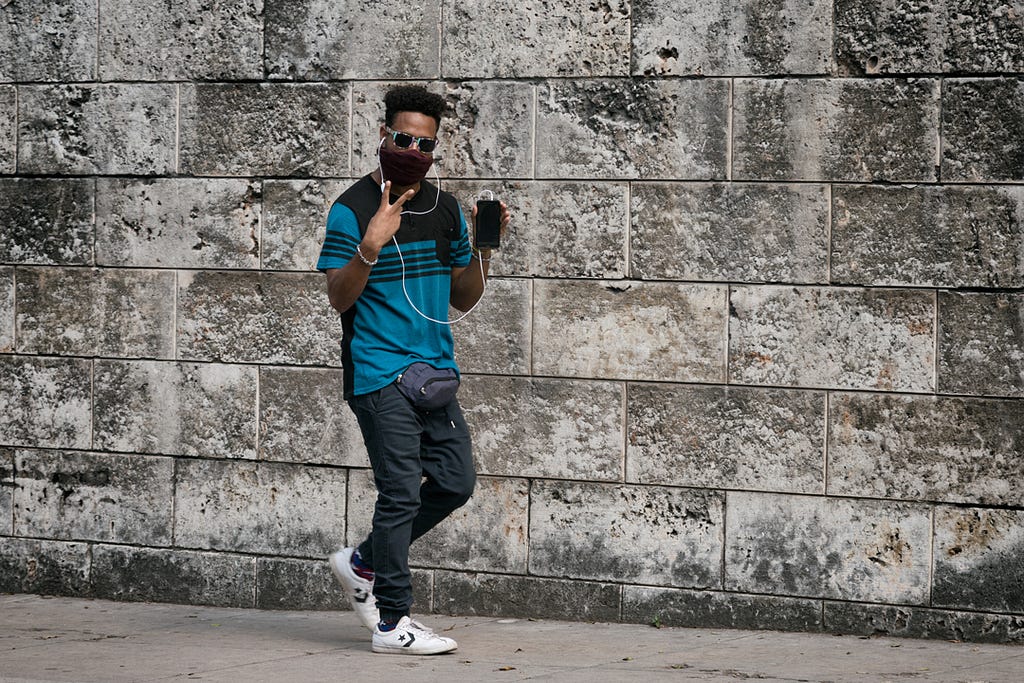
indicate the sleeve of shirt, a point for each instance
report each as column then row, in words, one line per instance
column 341, row 239
column 462, row 253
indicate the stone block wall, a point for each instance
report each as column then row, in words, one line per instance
column 753, row 354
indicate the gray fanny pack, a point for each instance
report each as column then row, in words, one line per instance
column 427, row 387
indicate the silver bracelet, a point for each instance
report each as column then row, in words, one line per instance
column 476, row 252
column 359, row 253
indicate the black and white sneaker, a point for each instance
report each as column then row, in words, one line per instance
column 411, row 638
column 358, row 589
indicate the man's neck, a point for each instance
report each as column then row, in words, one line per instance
column 397, row 190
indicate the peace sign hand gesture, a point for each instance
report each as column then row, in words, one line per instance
column 385, row 222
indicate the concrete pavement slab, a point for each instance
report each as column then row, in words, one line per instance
column 73, row 639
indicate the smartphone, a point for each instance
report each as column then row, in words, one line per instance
column 488, row 224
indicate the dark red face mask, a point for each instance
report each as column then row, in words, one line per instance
column 403, row 166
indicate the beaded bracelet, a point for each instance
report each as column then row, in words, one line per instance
column 359, row 253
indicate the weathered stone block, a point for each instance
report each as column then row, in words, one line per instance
column 744, row 232
column 327, row 40
column 6, row 491
column 914, row 37
column 536, row 38
column 928, row 236
column 685, row 37
column 487, row 533
column 6, row 309
column 981, row 125
column 181, row 41
column 46, row 567
column 264, row 508
column 919, row 622
column 178, row 223
column 726, row 437
column 8, row 128
column 297, row 584
column 836, row 338
column 630, row 330
column 264, row 129
column 95, row 312
column 524, row 597
column 847, row 129
column 707, row 609
column 984, row 36
column 471, row 145
column 545, row 427
column 979, row 559
column 875, row 37
column 49, row 41
column 294, row 219
column 633, row 129
column 303, row 418
column 105, row 128
column 927, row 448
column 177, row 408
column 93, row 496
column 567, row 229
column 657, row 536
column 46, row 221
column 496, row 336
column 826, row 547
column 45, row 402
column 178, row 576
column 981, row 344
column 257, row 317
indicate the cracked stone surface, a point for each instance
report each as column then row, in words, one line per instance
column 50, row 41
column 183, row 40
column 103, row 129
column 575, row 39
column 47, row 221
column 93, row 496
column 875, row 551
column 319, row 40
column 178, row 223
column 737, row 37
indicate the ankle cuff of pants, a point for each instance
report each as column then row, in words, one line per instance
column 392, row 617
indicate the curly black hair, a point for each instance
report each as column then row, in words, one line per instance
column 413, row 98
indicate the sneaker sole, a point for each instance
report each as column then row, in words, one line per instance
column 386, row 650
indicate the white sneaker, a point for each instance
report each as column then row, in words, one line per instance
column 358, row 589
column 411, row 638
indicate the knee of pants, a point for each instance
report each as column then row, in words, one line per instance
column 397, row 507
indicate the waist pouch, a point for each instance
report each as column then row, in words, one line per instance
column 426, row 387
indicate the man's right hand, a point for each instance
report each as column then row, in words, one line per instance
column 385, row 222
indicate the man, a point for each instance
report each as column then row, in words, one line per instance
column 396, row 253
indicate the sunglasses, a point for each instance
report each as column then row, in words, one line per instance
column 405, row 141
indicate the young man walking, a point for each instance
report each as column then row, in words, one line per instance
column 396, row 254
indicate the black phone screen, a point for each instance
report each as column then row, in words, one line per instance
column 488, row 224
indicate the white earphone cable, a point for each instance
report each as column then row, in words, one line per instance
column 424, row 315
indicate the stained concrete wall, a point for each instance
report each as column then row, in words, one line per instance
column 753, row 355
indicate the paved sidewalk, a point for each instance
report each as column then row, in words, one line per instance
column 69, row 639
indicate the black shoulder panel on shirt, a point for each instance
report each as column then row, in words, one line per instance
column 439, row 224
